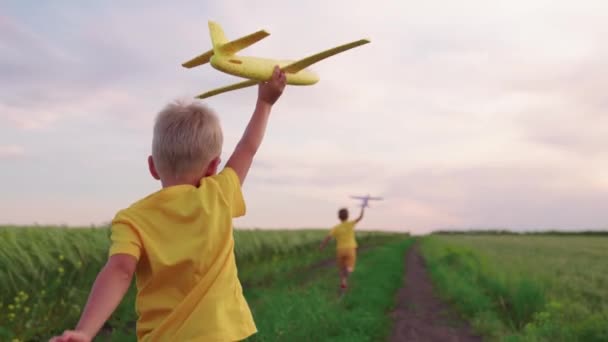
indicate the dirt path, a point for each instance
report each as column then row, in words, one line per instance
column 420, row 315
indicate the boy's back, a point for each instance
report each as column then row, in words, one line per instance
column 344, row 233
column 188, row 265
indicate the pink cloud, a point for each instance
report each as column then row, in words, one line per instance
column 11, row 151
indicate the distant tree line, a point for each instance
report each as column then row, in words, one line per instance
column 509, row 232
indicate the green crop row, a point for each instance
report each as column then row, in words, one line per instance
column 46, row 272
column 525, row 288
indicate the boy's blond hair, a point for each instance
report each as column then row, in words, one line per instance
column 187, row 137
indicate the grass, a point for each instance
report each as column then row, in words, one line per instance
column 46, row 273
column 306, row 307
column 525, row 288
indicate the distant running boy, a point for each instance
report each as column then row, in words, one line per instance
column 179, row 240
column 346, row 245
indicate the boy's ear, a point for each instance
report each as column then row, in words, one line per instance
column 152, row 168
column 213, row 166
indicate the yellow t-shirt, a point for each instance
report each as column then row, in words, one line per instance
column 187, row 283
column 344, row 233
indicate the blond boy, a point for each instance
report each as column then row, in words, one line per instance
column 346, row 245
column 179, row 240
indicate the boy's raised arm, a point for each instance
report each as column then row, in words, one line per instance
column 108, row 290
column 268, row 93
column 360, row 215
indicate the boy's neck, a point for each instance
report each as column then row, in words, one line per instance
column 180, row 181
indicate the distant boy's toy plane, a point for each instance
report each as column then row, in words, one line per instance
column 365, row 199
column 223, row 58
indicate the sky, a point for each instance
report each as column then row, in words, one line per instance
column 468, row 114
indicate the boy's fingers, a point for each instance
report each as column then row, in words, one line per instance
column 61, row 338
column 71, row 336
column 281, row 78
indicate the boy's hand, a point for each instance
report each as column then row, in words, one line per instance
column 324, row 242
column 270, row 91
column 72, row 336
column 108, row 290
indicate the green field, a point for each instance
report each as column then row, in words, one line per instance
column 46, row 274
column 525, row 288
column 509, row 287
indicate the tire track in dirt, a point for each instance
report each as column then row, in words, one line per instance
column 419, row 314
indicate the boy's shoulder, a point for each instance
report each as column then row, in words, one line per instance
column 226, row 180
column 351, row 223
column 343, row 224
column 223, row 186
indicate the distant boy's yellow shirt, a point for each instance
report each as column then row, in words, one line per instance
column 344, row 233
column 187, row 283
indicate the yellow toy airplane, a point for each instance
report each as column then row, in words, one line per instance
column 223, row 58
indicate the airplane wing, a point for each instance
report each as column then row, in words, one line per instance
column 199, row 60
column 376, row 198
column 235, row 86
column 303, row 63
column 237, row 45
column 357, row 197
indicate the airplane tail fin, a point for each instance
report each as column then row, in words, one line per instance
column 218, row 38
column 222, row 46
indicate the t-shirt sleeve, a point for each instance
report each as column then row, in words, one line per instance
column 230, row 185
column 332, row 232
column 124, row 239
